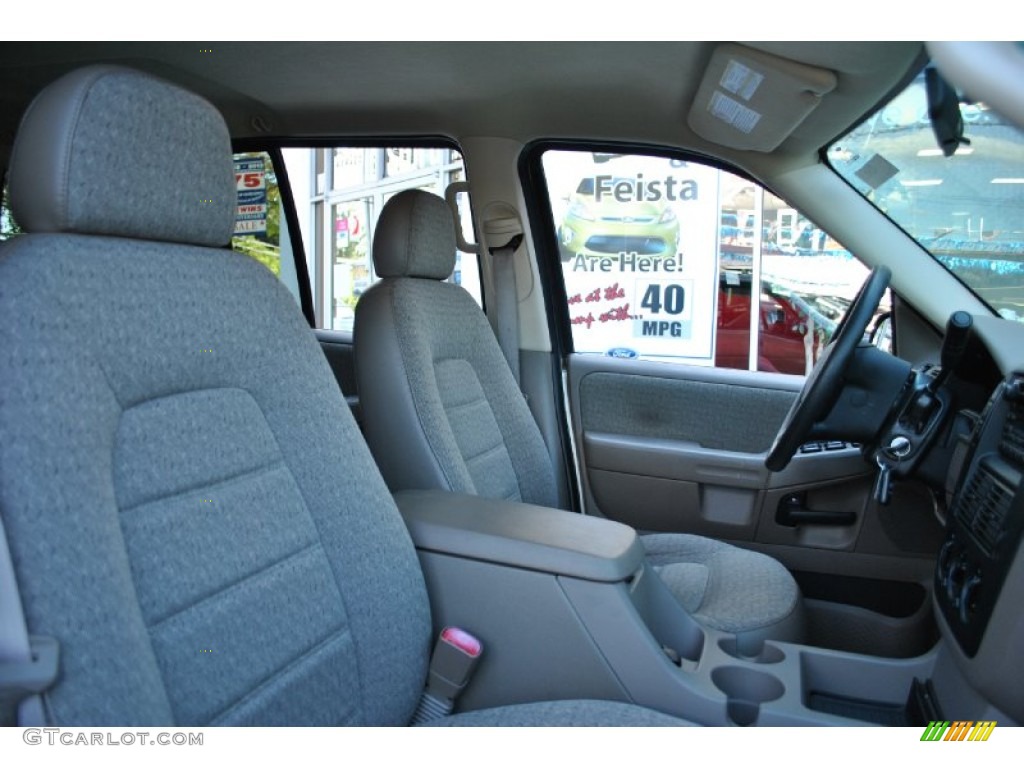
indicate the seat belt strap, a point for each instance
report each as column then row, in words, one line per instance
column 28, row 666
column 507, row 301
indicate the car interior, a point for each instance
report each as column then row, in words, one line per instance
column 438, row 393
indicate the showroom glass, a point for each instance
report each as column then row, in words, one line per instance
column 338, row 193
column 660, row 256
column 966, row 210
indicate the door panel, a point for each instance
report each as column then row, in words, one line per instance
column 688, row 441
column 667, row 447
column 659, row 407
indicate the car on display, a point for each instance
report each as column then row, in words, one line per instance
column 783, row 324
column 597, row 223
column 830, row 412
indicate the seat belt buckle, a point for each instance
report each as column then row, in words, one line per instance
column 456, row 655
column 22, row 679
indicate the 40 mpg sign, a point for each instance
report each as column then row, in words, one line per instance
column 639, row 243
column 251, row 187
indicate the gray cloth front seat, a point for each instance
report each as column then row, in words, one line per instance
column 441, row 409
column 191, row 510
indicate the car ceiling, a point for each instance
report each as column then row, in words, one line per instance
column 637, row 92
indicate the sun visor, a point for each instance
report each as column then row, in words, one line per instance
column 749, row 99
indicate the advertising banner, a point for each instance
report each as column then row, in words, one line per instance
column 251, row 186
column 638, row 243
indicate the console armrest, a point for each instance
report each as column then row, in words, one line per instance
column 521, row 535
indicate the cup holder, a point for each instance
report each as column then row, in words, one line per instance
column 746, row 690
column 762, row 653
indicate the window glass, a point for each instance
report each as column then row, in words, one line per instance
column 660, row 258
column 261, row 228
column 258, row 214
column 8, row 226
column 966, row 208
column 339, row 193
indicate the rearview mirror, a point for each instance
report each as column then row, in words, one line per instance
column 944, row 112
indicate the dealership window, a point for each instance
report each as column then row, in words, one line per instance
column 661, row 258
column 339, row 193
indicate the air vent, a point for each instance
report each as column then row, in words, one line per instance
column 983, row 507
column 1012, row 443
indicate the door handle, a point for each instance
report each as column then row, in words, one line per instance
column 792, row 511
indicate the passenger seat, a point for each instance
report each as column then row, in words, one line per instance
column 191, row 512
column 441, row 410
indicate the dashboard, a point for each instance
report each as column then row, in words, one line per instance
column 986, row 520
column 979, row 573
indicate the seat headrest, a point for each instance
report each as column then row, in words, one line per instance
column 415, row 237
column 106, row 150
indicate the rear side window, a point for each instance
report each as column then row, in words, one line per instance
column 258, row 213
column 339, row 192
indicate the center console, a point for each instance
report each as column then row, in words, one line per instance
column 567, row 607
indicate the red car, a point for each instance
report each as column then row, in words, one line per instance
column 782, row 327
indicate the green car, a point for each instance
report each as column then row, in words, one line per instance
column 599, row 225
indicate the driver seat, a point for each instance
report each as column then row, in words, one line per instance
column 442, row 410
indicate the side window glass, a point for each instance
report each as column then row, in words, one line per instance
column 339, row 193
column 261, row 228
column 8, row 226
column 678, row 261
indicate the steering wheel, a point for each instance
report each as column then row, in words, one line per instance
column 826, row 380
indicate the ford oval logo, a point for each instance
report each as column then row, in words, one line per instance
column 623, row 352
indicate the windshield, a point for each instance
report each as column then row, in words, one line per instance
column 967, row 210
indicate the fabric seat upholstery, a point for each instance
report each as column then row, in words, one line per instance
column 441, row 409
column 190, row 508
